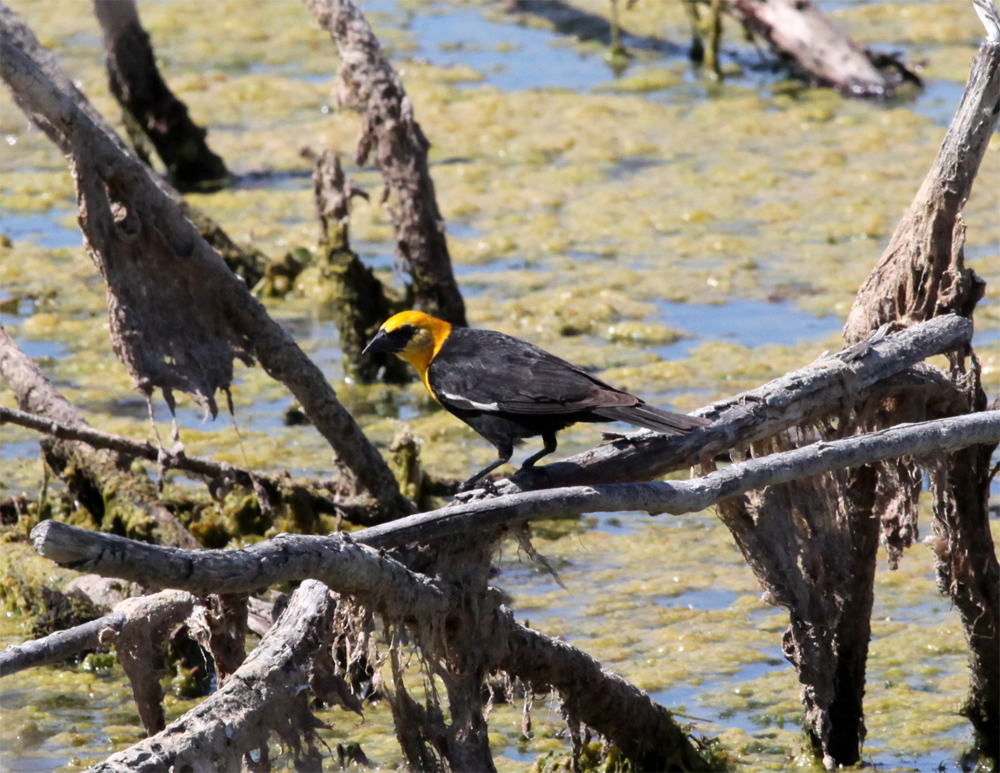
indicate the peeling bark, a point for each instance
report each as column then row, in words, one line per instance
column 146, row 99
column 368, row 84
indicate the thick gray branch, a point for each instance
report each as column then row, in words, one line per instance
column 357, row 570
column 58, row 646
column 831, row 385
column 353, row 569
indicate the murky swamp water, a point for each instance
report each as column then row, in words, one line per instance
column 687, row 239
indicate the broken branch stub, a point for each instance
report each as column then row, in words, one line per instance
column 356, row 298
column 368, row 84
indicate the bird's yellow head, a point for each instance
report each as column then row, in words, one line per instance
column 414, row 336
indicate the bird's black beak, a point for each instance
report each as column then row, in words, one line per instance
column 382, row 342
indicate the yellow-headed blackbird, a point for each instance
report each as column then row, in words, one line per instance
column 507, row 389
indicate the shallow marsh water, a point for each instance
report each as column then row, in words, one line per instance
column 687, row 239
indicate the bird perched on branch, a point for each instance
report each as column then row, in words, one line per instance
column 508, row 390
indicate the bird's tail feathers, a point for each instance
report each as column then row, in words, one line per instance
column 664, row 422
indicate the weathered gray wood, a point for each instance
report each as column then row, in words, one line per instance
column 353, row 569
column 58, row 646
column 267, row 693
column 369, row 84
column 830, row 385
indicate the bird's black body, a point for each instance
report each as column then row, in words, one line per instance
column 508, row 389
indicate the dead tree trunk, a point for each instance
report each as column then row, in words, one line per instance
column 358, row 301
column 150, row 105
column 369, row 85
column 920, row 275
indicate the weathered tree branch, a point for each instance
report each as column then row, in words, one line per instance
column 369, row 85
column 100, row 479
column 830, row 385
column 347, row 567
column 59, row 646
column 266, row 694
column 204, row 315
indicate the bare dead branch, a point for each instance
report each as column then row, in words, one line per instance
column 151, row 232
column 94, row 474
column 356, row 570
column 831, row 385
column 59, row 646
column 266, row 694
column 349, row 567
column 369, row 85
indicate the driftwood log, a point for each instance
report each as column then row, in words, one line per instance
column 368, row 83
column 179, row 329
column 148, row 103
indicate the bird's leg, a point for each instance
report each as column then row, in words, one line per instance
column 549, row 440
column 505, row 453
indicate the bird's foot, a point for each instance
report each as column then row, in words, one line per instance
column 471, row 491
